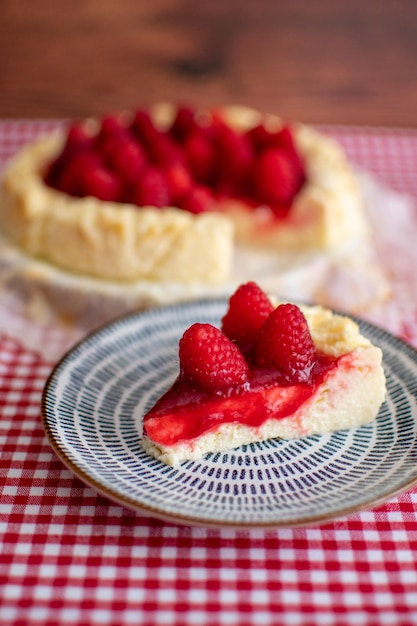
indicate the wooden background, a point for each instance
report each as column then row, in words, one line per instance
column 320, row 61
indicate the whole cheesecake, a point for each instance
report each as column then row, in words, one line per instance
column 270, row 371
column 166, row 194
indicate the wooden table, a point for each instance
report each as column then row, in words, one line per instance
column 343, row 62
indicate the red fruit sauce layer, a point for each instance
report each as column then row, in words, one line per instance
column 194, row 164
column 184, row 413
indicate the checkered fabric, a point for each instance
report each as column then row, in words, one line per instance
column 69, row 556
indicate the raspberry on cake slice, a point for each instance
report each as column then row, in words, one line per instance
column 297, row 371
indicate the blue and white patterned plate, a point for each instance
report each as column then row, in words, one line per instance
column 95, row 398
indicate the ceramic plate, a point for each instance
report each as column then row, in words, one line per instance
column 95, row 398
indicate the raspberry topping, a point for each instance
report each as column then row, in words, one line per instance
column 198, row 200
column 285, row 343
column 276, row 177
column 179, row 181
column 194, row 152
column 127, row 159
column 78, row 139
column 235, row 157
column 184, row 123
column 249, row 307
column 72, row 175
column 144, row 128
column 152, row 189
column 200, row 155
column 101, row 183
column 256, row 342
column 209, row 360
column 217, row 385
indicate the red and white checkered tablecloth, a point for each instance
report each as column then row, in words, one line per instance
column 69, row 556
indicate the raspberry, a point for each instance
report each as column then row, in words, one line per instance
column 144, row 128
column 127, row 158
column 200, row 156
column 101, row 183
column 179, row 181
column 70, row 178
column 184, row 123
column 234, row 155
column 276, row 177
column 152, row 189
column 78, row 139
column 54, row 172
column 249, row 307
column 286, row 140
column 260, row 137
column 209, row 360
column 164, row 151
column 112, row 124
column 198, row 200
column 285, row 343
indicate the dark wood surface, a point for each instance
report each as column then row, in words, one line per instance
column 321, row 61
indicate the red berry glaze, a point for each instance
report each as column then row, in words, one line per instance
column 248, row 309
column 285, row 343
column 209, row 360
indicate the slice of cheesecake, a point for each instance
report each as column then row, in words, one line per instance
column 272, row 371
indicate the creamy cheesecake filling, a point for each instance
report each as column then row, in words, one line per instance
column 185, row 413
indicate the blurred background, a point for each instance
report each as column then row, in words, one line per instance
column 324, row 62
